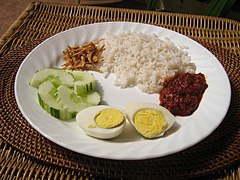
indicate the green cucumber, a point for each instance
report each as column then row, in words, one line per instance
column 92, row 98
column 64, row 93
column 84, row 86
column 47, row 100
column 69, row 100
column 56, row 76
column 83, row 81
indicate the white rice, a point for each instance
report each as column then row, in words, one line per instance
column 143, row 60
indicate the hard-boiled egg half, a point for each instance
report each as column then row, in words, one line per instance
column 103, row 122
column 150, row 120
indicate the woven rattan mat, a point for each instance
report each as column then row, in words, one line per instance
column 217, row 152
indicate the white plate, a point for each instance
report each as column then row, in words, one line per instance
column 187, row 131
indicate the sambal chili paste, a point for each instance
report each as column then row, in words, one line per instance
column 182, row 94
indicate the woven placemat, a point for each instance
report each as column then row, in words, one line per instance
column 218, row 151
column 48, row 18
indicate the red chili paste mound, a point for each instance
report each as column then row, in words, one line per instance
column 182, row 94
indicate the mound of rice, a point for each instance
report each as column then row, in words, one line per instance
column 143, row 60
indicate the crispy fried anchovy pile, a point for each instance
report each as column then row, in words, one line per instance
column 85, row 57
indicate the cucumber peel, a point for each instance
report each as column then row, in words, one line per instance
column 56, row 76
column 83, row 81
column 64, row 93
column 69, row 100
column 48, row 102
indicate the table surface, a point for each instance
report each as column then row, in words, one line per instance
column 11, row 9
column 225, row 40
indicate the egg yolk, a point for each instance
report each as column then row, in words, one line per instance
column 150, row 122
column 109, row 118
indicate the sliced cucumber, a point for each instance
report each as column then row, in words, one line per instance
column 80, row 75
column 84, row 82
column 69, row 100
column 56, row 76
column 47, row 100
column 92, row 98
column 64, row 93
column 82, row 87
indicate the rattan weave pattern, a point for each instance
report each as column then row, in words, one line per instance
column 42, row 18
column 28, row 154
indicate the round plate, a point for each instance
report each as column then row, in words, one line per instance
column 186, row 131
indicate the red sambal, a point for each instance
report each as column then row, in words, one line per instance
column 182, row 94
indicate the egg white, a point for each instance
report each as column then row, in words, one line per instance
column 131, row 108
column 86, row 117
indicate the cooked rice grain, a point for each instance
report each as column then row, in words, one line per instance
column 143, row 60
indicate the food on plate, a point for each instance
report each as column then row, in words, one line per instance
column 56, row 76
column 83, row 81
column 106, row 122
column 64, row 93
column 182, row 94
column 103, row 122
column 150, row 120
column 46, row 99
column 109, row 118
column 143, row 60
column 136, row 59
column 73, row 102
column 85, row 57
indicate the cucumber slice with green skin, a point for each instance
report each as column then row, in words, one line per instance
column 64, row 93
column 85, row 86
column 80, row 75
column 84, row 82
column 92, row 98
column 47, row 100
column 69, row 100
column 56, row 76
